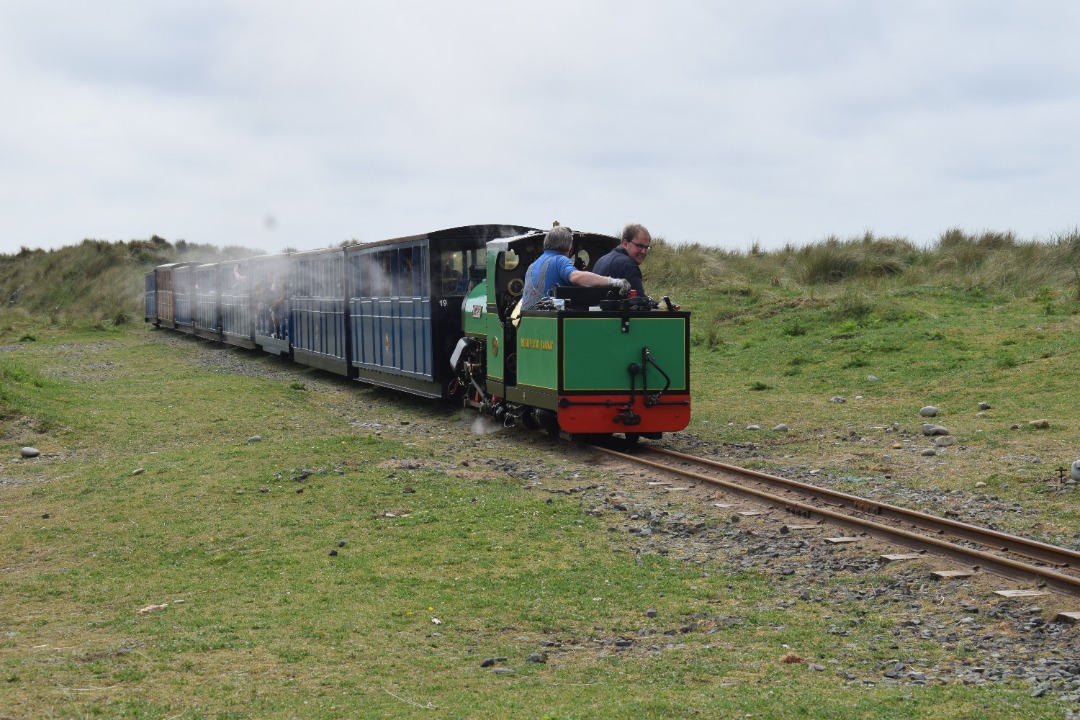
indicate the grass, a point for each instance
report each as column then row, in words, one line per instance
column 936, row 347
column 158, row 499
column 156, row 496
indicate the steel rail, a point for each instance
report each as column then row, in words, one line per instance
column 992, row 539
column 977, row 559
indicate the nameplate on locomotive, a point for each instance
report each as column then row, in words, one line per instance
column 537, row 344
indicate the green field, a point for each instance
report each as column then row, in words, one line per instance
column 214, row 533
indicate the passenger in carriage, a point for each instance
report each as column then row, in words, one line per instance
column 554, row 267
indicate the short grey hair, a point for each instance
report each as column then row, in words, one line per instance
column 560, row 238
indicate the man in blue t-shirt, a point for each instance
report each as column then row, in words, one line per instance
column 625, row 260
column 554, row 267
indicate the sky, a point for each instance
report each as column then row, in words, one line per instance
column 270, row 124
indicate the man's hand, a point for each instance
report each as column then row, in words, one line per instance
column 621, row 283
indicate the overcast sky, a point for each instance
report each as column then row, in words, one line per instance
column 274, row 124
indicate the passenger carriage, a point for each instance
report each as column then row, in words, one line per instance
column 318, row 311
column 405, row 305
column 234, row 303
column 206, row 313
column 160, row 287
column 150, row 297
column 269, row 278
column 184, row 292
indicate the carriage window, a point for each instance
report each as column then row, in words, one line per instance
column 455, row 274
column 364, row 261
column 405, row 273
column 381, row 272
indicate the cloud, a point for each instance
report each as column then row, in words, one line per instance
column 715, row 122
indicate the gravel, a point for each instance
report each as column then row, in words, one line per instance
column 986, row 638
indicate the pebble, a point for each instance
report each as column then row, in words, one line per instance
column 753, row 427
column 931, row 430
column 839, row 399
column 1075, row 474
column 254, row 439
column 984, row 406
column 138, row 471
column 873, row 378
column 929, row 411
column 30, row 452
column 1039, row 424
column 929, row 452
column 944, row 440
column 782, row 427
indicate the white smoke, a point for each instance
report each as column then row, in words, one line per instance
column 484, row 425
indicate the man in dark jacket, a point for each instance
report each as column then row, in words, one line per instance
column 625, row 260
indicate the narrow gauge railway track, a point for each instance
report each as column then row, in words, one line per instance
column 1054, row 567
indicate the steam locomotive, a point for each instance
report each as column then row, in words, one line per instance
column 437, row 315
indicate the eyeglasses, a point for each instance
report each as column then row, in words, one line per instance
column 642, row 248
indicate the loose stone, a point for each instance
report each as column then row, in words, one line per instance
column 30, row 452
column 930, row 430
column 929, row 452
column 254, row 439
column 839, row 399
column 1075, row 474
column 984, row 406
column 781, row 428
column 929, row 411
column 944, row 441
column 1039, row 424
